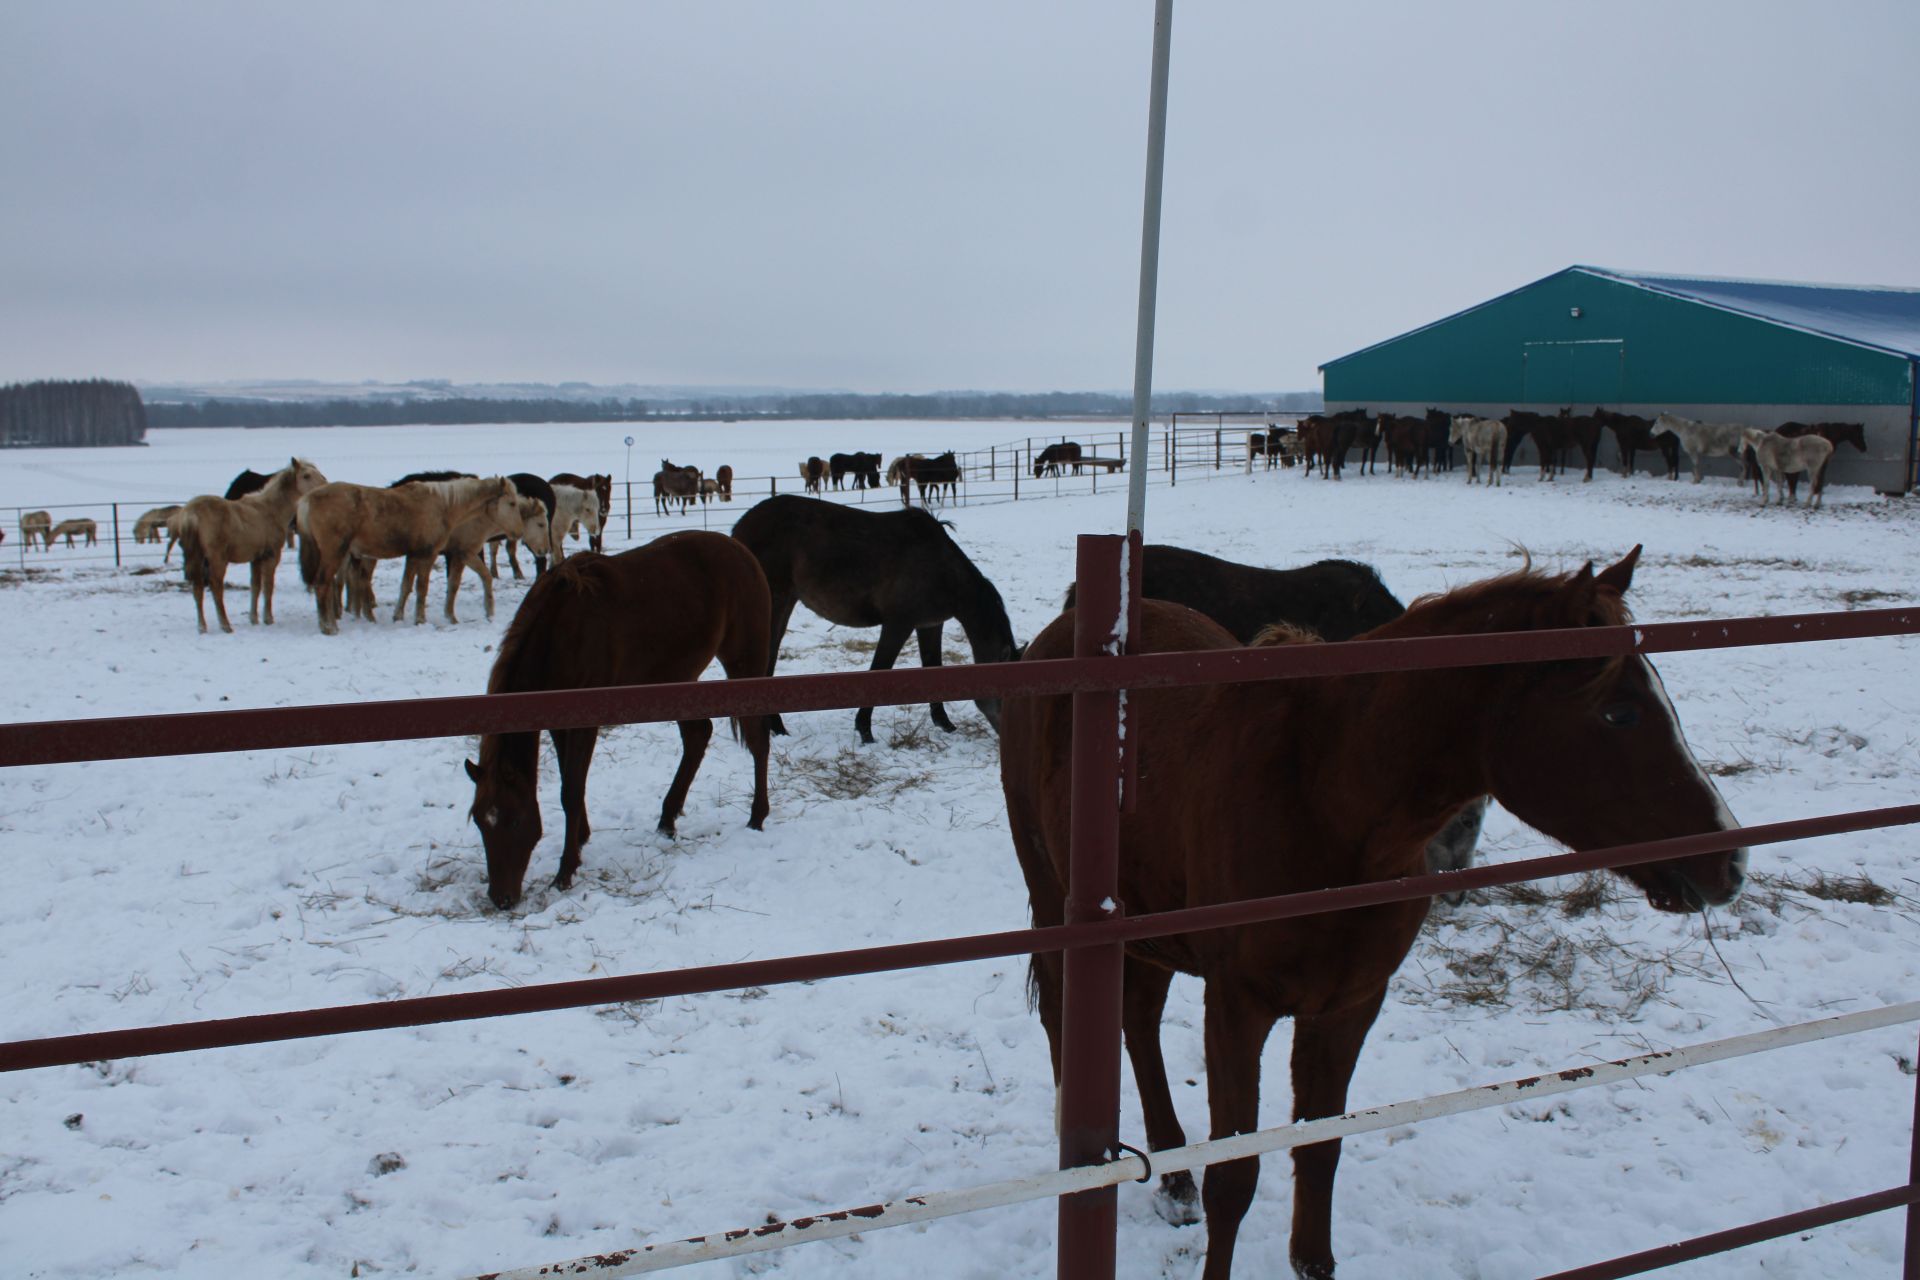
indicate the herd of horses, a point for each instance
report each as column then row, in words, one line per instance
column 688, row 485
column 1772, row 460
column 344, row 530
column 1388, row 774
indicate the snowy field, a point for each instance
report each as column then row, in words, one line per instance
column 153, row 891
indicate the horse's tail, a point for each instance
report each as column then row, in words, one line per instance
column 309, row 558
column 193, row 552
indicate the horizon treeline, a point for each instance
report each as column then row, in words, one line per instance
column 457, row 410
column 94, row 411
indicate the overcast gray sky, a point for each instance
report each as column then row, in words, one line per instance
column 902, row 196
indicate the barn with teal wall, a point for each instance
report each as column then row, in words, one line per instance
column 1755, row 352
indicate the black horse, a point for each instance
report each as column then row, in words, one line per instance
column 1632, row 434
column 1439, row 440
column 1335, row 599
column 897, row 570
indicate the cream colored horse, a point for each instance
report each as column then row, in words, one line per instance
column 152, row 525
column 415, row 521
column 37, row 526
column 216, row 532
column 70, row 529
column 521, row 518
column 1780, row 456
column 1482, row 438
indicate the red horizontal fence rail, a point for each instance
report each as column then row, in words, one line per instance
column 221, row 1033
column 197, row 732
column 193, row 733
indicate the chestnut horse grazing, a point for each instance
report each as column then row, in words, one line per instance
column 1402, row 752
column 216, row 532
column 657, row 614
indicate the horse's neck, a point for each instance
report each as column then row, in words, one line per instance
column 1402, row 750
column 981, row 615
column 466, row 498
column 277, row 494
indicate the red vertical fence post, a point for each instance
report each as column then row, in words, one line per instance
column 1090, row 1020
column 1912, row 1268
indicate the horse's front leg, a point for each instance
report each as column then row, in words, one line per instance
column 1177, row 1199
column 1236, row 1029
column 694, row 736
column 1324, row 1051
column 423, row 571
column 929, row 638
column 893, row 638
column 573, row 748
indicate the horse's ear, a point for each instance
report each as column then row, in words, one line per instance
column 1620, row 576
column 473, row 770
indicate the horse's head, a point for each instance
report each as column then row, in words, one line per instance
column 506, row 808
column 534, row 530
column 306, row 476
column 1592, row 753
column 1457, row 431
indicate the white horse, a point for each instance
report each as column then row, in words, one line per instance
column 1701, row 439
column 1482, row 438
column 572, row 508
column 1780, row 456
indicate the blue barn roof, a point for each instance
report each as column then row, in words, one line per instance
column 1884, row 318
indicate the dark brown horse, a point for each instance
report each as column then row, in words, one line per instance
column 1413, row 745
column 1055, row 456
column 897, row 570
column 1406, row 441
column 939, row 477
column 1329, row 436
column 1632, row 434
column 1439, row 440
column 657, row 614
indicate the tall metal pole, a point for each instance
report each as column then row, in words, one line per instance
column 1149, row 263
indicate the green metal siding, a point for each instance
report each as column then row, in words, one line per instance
column 1628, row 345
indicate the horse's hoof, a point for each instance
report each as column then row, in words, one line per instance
column 1306, row 1270
column 563, row 881
column 1177, row 1203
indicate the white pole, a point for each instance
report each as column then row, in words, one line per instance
column 1149, row 263
column 946, row 1204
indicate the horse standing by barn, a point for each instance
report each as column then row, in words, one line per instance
column 657, row 614
column 1400, row 752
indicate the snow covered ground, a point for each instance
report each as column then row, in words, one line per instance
column 154, row 891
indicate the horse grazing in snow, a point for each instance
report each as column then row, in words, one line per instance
column 897, row 570
column 151, row 525
column 1701, row 439
column 79, row 526
column 1403, row 752
column 37, row 525
column 657, row 614
column 216, row 532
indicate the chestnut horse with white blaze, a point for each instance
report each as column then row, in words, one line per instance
column 657, row 614
column 1390, row 757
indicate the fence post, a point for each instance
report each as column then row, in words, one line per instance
column 1912, row 1269
column 629, row 485
column 1090, row 1017
column 993, row 462
column 116, row 535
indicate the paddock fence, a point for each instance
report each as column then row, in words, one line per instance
column 1096, row 927
column 1183, row 451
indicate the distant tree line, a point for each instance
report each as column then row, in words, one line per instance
column 807, row 405
column 67, row 414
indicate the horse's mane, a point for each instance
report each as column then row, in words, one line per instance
column 1526, row 600
column 1275, row 634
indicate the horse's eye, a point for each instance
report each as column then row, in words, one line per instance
column 1621, row 715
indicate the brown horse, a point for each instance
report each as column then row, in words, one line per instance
column 216, row 532
column 657, row 614
column 723, row 476
column 1393, row 756
column 414, row 521
column 1632, row 434
column 814, row 472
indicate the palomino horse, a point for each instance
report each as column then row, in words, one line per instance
column 338, row 521
column 216, row 532
column 521, row 518
column 602, row 486
column 1701, row 439
column 78, row 527
column 1779, row 456
column 1411, row 747
column 251, row 481
column 36, row 525
column 657, row 614
column 152, row 525
column 572, row 507
column 529, row 486
column 1333, row 599
column 896, row 570
column 1485, row 440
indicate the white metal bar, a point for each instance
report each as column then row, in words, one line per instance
column 1149, row 261
column 994, row 1195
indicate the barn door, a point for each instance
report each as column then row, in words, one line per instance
column 1580, row 374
